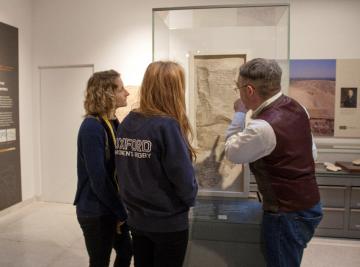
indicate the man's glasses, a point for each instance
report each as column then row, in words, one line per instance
column 237, row 87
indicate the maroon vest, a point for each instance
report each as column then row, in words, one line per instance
column 286, row 177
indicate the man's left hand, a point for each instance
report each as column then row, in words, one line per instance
column 239, row 106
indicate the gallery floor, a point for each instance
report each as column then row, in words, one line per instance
column 47, row 234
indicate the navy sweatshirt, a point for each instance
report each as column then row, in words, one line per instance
column 156, row 176
column 96, row 190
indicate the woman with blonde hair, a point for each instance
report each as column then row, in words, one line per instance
column 99, row 209
column 154, row 161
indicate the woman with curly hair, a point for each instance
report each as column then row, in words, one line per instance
column 154, row 162
column 99, row 208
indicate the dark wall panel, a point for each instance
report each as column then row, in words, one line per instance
column 10, row 175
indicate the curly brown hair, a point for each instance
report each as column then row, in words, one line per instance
column 100, row 93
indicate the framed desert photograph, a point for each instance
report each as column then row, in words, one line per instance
column 211, row 96
column 312, row 84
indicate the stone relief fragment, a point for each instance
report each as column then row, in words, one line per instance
column 214, row 85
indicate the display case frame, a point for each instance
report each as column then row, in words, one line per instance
column 242, row 190
column 182, row 34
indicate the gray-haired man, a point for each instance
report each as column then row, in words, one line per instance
column 277, row 143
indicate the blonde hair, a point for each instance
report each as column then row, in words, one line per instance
column 162, row 93
column 100, row 93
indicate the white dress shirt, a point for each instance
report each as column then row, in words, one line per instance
column 255, row 140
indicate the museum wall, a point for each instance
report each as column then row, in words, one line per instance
column 109, row 34
column 256, row 32
column 324, row 29
column 18, row 13
column 118, row 34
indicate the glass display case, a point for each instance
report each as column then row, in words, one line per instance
column 211, row 43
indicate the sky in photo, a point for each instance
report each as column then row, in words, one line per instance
column 323, row 69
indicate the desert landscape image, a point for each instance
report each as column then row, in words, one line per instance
column 312, row 84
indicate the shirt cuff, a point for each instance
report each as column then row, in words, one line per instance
column 239, row 119
column 237, row 124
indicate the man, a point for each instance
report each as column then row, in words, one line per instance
column 350, row 99
column 277, row 143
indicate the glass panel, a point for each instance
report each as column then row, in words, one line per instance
column 211, row 43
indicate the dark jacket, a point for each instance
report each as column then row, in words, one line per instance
column 155, row 173
column 97, row 192
column 350, row 102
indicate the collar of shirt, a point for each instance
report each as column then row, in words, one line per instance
column 265, row 104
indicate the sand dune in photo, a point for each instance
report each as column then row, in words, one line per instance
column 318, row 96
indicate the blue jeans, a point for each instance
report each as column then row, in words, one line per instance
column 286, row 234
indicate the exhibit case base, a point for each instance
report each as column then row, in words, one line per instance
column 225, row 233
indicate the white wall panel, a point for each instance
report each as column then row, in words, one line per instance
column 62, row 95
